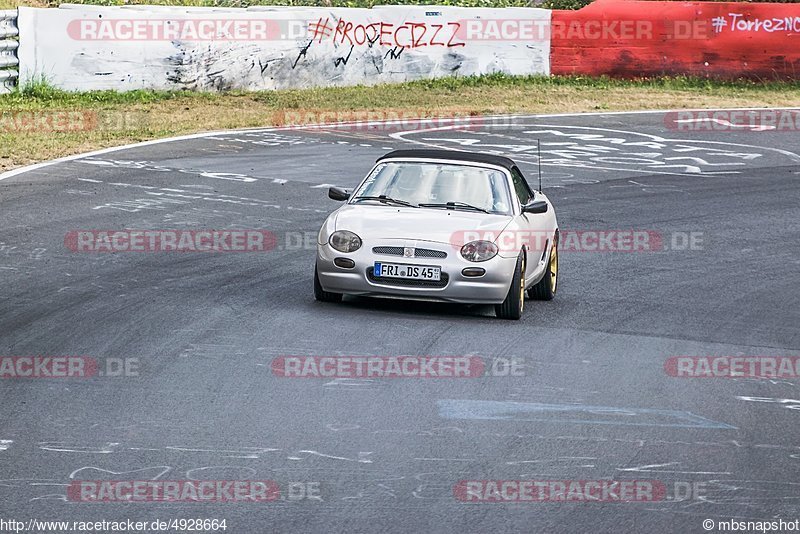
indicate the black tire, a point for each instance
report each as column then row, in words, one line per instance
column 512, row 307
column 546, row 288
column 322, row 295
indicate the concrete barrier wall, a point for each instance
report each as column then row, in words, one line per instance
column 626, row 38
column 79, row 47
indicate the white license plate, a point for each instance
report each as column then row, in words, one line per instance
column 413, row 272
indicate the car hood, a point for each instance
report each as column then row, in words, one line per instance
column 380, row 223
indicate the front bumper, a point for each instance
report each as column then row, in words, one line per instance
column 490, row 288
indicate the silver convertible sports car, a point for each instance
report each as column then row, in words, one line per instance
column 440, row 225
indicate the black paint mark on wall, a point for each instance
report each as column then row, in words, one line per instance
column 265, row 64
column 393, row 53
column 302, row 53
column 377, row 62
column 452, row 62
column 343, row 60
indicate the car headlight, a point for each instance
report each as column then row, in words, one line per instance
column 479, row 251
column 345, row 241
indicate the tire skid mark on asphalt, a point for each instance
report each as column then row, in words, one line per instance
column 145, row 165
column 152, row 167
column 470, row 433
column 358, row 136
column 267, row 138
column 180, row 197
column 57, row 446
column 655, row 468
column 467, row 434
column 355, row 483
column 566, row 413
column 158, row 471
column 596, row 151
column 719, row 491
column 116, row 448
column 354, row 384
column 237, row 135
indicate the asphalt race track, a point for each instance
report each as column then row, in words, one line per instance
column 593, row 400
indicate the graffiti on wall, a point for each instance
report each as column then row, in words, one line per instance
column 122, row 48
column 257, row 49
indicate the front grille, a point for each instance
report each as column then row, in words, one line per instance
column 418, row 252
column 428, row 253
column 391, row 251
column 404, row 282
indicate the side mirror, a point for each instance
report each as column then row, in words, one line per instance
column 537, row 206
column 337, row 193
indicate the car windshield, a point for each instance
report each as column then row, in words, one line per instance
column 437, row 186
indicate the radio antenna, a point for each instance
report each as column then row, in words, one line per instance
column 539, row 159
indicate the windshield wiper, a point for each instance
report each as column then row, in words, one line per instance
column 454, row 205
column 385, row 199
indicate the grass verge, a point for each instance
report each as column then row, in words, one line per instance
column 39, row 122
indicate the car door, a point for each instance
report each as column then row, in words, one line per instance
column 534, row 227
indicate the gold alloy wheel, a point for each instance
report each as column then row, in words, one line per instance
column 554, row 268
column 522, row 288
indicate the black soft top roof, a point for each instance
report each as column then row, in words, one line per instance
column 457, row 155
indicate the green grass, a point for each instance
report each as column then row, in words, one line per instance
column 40, row 94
